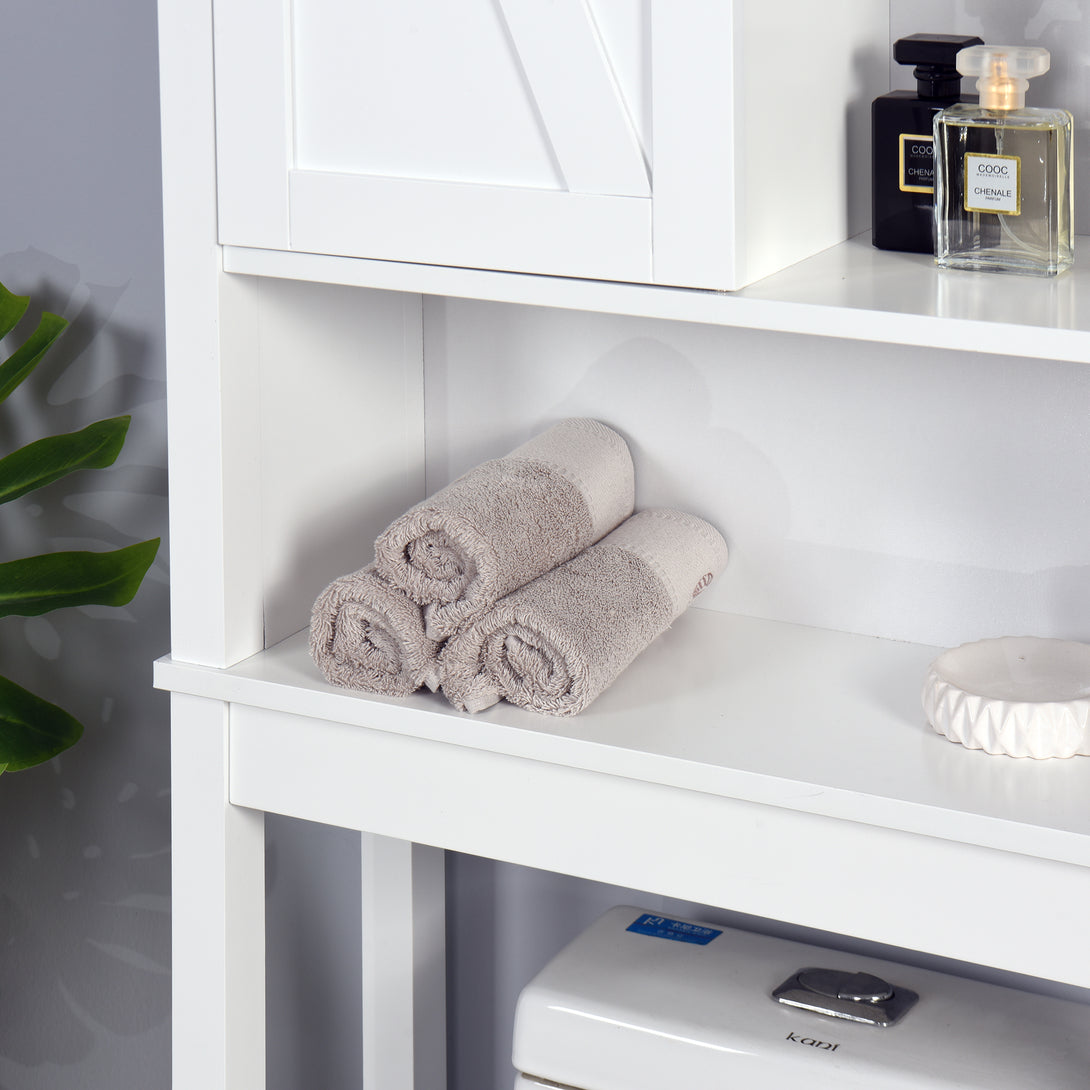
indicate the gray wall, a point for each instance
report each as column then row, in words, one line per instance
column 85, row 840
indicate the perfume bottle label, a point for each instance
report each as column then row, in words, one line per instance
column 993, row 183
column 917, row 163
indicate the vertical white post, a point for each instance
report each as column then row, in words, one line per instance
column 218, row 902
column 404, row 966
column 211, row 357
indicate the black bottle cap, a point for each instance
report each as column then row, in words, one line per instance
column 934, row 56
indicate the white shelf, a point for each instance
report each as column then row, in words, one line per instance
column 825, row 723
column 851, row 290
column 785, row 771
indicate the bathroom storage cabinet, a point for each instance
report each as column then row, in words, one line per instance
column 449, row 134
column 768, row 766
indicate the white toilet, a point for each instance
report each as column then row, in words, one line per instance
column 640, row 1001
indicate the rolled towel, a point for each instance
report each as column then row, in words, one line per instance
column 368, row 635
column 507, row 521
column 555, row 644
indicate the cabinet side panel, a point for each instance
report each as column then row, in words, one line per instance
column 695, row 119
column 342, row 434
column 215, row 610
column 804, row 144
column 760, row 120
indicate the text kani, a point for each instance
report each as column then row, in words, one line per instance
column 813, row 1042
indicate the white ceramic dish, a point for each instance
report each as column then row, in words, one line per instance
column 1020, row 695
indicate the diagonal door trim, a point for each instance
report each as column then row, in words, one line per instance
column 585, row 115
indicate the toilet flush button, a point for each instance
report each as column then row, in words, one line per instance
column 861, row 997
column 854, row 987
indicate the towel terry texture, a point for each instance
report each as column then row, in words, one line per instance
column 508, row 521
column 555, row 644
column 368, row 635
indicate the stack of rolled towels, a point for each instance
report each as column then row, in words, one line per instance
column 528, row 579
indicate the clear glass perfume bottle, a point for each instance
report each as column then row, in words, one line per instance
column 1003, row 195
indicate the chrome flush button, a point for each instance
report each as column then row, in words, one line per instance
column 859, row 997
column 856, row 987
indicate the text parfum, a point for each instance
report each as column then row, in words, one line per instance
column 1003, row 195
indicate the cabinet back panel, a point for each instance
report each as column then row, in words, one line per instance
column 901, row 493
column 342, row 441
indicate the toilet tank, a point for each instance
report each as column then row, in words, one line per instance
column 642, row 1001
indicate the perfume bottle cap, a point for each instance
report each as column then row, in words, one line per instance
column 934, row 56
column 1003, row 72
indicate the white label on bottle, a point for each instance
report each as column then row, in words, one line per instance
column 993, row 183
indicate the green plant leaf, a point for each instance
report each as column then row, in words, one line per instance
column 25, row 358
column 39, row 584
column 31, row 729
column 12, row 308
column 46, row 460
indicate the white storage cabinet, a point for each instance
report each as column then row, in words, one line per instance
column 669, row 142
column 297, row 305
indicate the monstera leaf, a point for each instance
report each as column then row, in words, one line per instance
column 32, row 730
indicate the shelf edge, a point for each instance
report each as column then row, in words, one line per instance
column 731, row 309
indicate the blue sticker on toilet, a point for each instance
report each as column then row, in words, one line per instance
column 661, row 927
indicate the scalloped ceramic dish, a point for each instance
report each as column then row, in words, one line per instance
column 1020, row 695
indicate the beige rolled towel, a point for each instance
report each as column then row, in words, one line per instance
column 368, row 635
column 555, row 644
column 507, row 521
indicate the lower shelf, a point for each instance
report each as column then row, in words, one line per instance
column 825, row 722
column 775, row 769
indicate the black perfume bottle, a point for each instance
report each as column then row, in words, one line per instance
column 903, row 175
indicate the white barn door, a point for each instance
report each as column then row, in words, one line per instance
column 503, row 134
column 703, row 143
